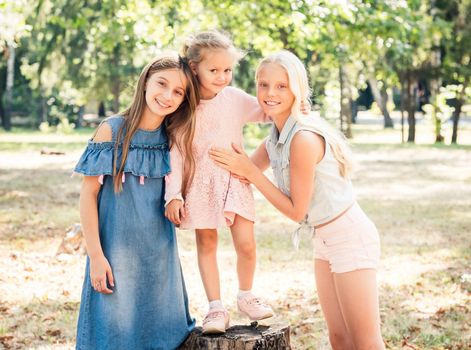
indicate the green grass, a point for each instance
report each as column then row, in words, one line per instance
column 21, row 140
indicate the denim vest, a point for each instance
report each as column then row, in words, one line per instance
column 332, row 194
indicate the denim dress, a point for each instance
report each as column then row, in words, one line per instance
column 149, row 306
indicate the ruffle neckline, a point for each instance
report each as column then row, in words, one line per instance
column 143, row 160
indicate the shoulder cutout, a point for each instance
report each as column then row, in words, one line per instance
column 103, row 133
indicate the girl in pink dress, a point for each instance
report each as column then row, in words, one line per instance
column 215, row 198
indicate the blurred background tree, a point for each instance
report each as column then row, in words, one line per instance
column 63, row 59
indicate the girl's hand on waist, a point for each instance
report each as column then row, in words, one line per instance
column 236, row 161
column 175, row 211
column 100, row 274
column 242, row 179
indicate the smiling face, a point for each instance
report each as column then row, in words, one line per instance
column 214, row 72
column 273, row 91
column 165, row 91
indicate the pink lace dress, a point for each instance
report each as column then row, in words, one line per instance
column 214, row 197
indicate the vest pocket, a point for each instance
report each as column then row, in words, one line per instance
column 281, row 173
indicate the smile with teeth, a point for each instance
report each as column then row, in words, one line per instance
column 162, row 104
column 272, row 103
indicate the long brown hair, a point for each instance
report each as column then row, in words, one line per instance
column 180, row 124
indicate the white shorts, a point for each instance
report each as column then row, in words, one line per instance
column 349, row 243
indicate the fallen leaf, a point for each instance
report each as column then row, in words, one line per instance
column 414, row 329
column 53, row 332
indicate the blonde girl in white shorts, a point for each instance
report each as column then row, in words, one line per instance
column 311, row 164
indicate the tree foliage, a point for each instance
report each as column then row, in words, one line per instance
column 71, row 52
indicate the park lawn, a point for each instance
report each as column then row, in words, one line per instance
column 419, row 196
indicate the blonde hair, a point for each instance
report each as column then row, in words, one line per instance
column 299, row 86
column 196, row 46
column 180, row 125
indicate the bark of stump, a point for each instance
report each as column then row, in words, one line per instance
column 253, row 337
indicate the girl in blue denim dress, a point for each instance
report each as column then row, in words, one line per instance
column 134, row 295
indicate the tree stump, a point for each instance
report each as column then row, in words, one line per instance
column 253, row 337
column 73, row 242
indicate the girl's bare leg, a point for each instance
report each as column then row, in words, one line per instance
column 206, row 243
column 339, row 336
column 357, row 293
column 244, row 242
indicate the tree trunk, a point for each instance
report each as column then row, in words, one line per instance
column 9, row 87
column 457, row 113
column 435, row 84
column 354, row 109
column 438, row 129
column 2, row 110
column 116, row 79
column 411, row 105
column 403, row 103
column 42, row 107
column 101, row 110
column 345, row 103
column 116, row 91
column 257, row 337
column 388, row 122
column 79, row 123
column 42, row 110
column 381, row 99
column 456, row 119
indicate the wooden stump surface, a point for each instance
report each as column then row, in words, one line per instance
column 253, row 337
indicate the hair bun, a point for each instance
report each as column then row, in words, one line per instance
column 187, row 45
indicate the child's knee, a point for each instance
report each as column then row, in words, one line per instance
column 246, row 250
column 207, row 243
column 370, row 343
column 341, row 341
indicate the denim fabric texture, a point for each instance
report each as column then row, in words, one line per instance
column 332, row 195
column 149, row 305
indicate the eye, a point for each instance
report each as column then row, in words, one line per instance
column 228, row 70
column 161, row 83
column 282, row 86
column 213, row 70
column 262, row 84
column 179, row 93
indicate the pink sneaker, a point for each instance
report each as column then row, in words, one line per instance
column 254, row 308
column 216, row 321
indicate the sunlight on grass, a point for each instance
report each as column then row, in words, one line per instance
column 26, row 140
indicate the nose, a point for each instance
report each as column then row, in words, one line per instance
column 271, row 91
column 221, row 77
column 167, row 94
